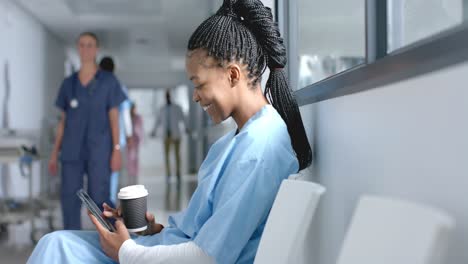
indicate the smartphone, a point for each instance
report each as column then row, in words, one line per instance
column 94, row 209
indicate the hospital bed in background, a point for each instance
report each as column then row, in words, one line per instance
column 20, row 150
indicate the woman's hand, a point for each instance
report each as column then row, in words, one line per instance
column 153, row 227
column 111, row 241
column 110, row 212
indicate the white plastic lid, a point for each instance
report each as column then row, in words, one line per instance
column 132, row 192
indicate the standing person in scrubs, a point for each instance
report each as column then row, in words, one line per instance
column 239, row 178
column 125, row 130
column 87, row 140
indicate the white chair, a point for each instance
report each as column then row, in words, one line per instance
column 289, row 219
column 390, row 231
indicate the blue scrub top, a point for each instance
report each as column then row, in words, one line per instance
column 87, row 133
column 237, row 184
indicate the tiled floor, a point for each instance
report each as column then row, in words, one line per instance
column 163, row 199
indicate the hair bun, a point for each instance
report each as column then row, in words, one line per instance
column 227, row 9
column 259, row 19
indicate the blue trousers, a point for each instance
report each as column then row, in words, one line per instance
column 73, row 172
column 69, row 247
column 61, row 247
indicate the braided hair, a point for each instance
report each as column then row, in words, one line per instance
column 244, row 31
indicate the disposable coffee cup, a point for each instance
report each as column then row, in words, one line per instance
column 133, row 205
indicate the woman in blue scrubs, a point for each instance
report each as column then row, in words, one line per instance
column 240, row 176
column 88, row 133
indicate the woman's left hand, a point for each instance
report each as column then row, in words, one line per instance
column 111, row 241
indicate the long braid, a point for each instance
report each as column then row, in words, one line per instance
column 244, row 31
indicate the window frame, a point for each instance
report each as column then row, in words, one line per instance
column 438, row 51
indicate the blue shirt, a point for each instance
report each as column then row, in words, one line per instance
column 237, row 184
column 87, row 132
column 126, row 105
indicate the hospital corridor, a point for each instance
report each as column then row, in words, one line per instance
column 234, row 131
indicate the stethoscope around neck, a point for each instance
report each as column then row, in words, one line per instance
column 74, row 101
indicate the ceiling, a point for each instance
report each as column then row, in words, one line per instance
column 147, row 38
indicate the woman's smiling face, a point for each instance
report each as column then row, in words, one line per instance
column 213, row 89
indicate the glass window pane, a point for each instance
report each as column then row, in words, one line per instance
column 331, row 38
column 413, row 20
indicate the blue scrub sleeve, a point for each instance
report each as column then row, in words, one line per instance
column 61, row 101
column 116, row 95
column 238, row 213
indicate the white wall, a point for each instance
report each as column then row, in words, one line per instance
column 406, row 140
column 36, row 66
column 36, row 61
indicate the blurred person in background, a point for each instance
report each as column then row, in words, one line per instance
column 133, row 146
column 170, row 116
column 125, row 129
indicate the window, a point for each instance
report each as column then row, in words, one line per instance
column 328, row 42
column 412, row 20
column 331, row 38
